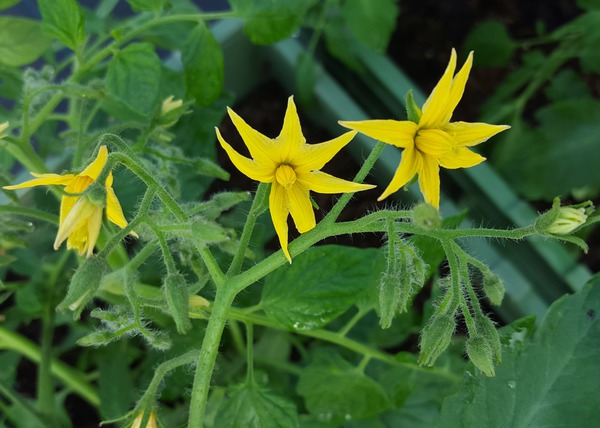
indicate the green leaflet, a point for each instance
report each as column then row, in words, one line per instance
column 63, row 20
column 21, row 41
column 546, row 381
column 320, row 285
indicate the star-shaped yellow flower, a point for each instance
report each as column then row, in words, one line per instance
column 81, row 217
column 292, row 167
column 432, row 140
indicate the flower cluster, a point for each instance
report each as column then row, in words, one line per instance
column 81, row 213
column 429, row 141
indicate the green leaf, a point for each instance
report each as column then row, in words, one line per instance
column 371, row 21
column 559, row 156
column 588, row 4
column 143, row 5
column 335, row 391
column 567, row 84
column 5, row 4
column 21, row 41
column 255, row 406
column 549, row 381
column 340, row 43
column 492, row 44
column 269, row 21
column 320, row 285
column 133, row 78
column 305, row 78
column 63, row 20
column 203, row 64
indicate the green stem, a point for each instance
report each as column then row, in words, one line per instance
column 45, row 385
column 257, row 208
column 332, row 216
column 69, row 376
column 29, row 212
column 250, row 353
column 208, row 355
column 108, row 50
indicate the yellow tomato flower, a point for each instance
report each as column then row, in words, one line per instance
column 433, row 140
column 80, row 216
column 293, row 169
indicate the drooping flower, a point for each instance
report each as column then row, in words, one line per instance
column 429, row 139
column 292, row 167
column 81, row 216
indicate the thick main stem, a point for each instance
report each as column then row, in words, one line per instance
column 208, row 354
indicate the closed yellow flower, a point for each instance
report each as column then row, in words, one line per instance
column 292, row 167
column 432, row 141
column 81, row 216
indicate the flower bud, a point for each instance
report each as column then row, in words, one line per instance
column 170, row 112
column 487, row 329
column 83, row 285
column 436, row 337
column 404, row 274
column 151, row 423
column 493, row 287
column 481, row 354
column 426, row 216
column 206, row 232
column 568, row 219
column 3, row 127
column 176, row 294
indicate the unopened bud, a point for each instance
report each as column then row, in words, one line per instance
column 435, row 338
column 170, row 111
column 405, row 273
column 206, row 232
column 487, row 329
column 151, row 423
column 97, row 338
column 563, row 220
column 176, row 293
column 493, row 287
column 481, row 354
column 83, row 285
column 3, row 127
column 426, row 216
column 569, row 219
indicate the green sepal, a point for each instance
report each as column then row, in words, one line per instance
column 493, row 287
column 481, row 354
column 413, row 111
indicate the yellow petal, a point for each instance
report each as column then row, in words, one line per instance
column 262, row 149
column 43, row 180
column 279, row 208
column 93, row 169
column 435, row 108
column 93, row 230
column 409, row 165
column 434, row 142
column 290, row 138
column 315, row 156
column 66, row 205
column 250, row 168
column 397, row 133
column 321, row 182
column 461, row 158
column 301, row 207
column 429, row 180
column 458, row 87
column 114, row 212
column 76, row 218
column 471, row 134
